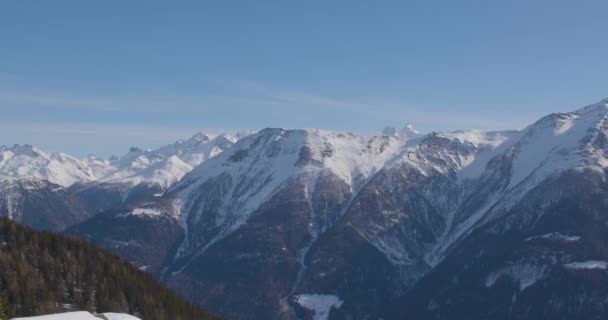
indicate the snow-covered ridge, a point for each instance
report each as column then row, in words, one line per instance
column 561, row 141
column 349, row 156
column 27, row 161
column 163, row 166
column 168, row 164
column 552, row 145
column 258, row 166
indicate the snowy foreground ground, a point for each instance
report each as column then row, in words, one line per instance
column 81, row 315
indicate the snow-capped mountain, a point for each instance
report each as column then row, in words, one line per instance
column 167, row 164
column 316, row 179
column 304, row 223
column 33, row 186
column 28, row 162
column 30, row 177
column 360, row 219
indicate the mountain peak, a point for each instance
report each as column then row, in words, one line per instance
column 135, row 150
column 408, row 131
column 200, row 137
column 234, row 137
column 25, row 149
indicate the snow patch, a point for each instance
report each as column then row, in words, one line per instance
column 146, row 211
column 525, row 274
column 81, row 315
column 556, row 236
column 321, row 304
column 587, row 265
column 118, row 316
column 29, row 162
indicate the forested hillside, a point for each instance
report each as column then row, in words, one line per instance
column 42, row 272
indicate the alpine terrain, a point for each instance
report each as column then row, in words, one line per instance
column 315, row 224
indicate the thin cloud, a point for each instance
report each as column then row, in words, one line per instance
column 378, row 110
column 95, row 103
column 424, row 116
column 94, row 129
column 264, row 98
column 292, row 97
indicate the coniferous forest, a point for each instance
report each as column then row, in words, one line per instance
column 43, row 272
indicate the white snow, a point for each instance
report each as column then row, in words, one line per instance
column 29, row 162
column 553, row 144
column 100, row 167
column 165, row 172
column 196, row 149
column 556, row 236
column 81, row 315
column 78, row 315
column 163, row 166
column 526, row 275
column 168, row 164
column 486, row 144
column 146, row 211
column 587, row 265
column 557, row 142
column 267, row 160
column 479, row 138
column 262, row 162
column 321, row 304
column 118, row 316
column 351, row 157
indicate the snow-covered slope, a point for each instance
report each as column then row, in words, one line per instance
column 163, row 171
column 259, row 165
column 164, row 165
column 29, row 162
column 81, row 315
column 561, row 141
column 547, row 148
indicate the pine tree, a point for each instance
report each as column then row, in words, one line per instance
column 4, row 307
column 46, row 273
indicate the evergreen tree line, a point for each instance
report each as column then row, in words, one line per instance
column 43, row 272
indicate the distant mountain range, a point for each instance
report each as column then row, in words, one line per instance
column 314, row 224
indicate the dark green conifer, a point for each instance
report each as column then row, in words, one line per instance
column 44, row 273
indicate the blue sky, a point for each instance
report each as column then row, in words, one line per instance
column 99, row 76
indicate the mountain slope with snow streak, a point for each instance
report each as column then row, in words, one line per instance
column 324, row 174
column 399, row 203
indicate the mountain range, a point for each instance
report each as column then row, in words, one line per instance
column 315, row 224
